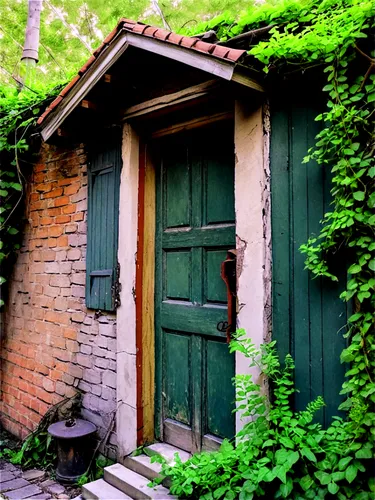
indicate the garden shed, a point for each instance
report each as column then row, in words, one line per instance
column 163, row 158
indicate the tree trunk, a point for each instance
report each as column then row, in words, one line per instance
column 30, row 51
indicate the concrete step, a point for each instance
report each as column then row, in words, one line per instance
column 142, row 465
column 101, row 490
column 133, row 484
column 167, row 451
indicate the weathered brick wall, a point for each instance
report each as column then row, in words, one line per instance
column 51, row 344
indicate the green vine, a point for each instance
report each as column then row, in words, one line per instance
column 18, row 114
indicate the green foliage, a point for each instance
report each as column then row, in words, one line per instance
column 280, row 453
column 37, row 450
column 18, row 114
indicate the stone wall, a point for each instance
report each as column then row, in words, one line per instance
column 51, row 344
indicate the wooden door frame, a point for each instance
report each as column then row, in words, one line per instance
column 135, row 332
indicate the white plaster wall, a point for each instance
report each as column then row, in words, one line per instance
column 251, row 188
column 126, row 315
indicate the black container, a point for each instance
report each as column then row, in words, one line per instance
column 74, row 448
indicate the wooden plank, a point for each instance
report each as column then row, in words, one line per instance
column 240, row 76
column 194, row 237
column 186, row 317
column 178, row 435
column 192, row 124
column 168, row 100
column 89, row 104
column 148, row 284
column 203, row 62
column 299, row 235
column 280, row 166
column 211, row 443
column 139, row 290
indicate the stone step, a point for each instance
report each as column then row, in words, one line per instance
column 101, row 490
column 133, row 484
column 167, row 451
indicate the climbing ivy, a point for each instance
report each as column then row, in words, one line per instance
column 18, row 114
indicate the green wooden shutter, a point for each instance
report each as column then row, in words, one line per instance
column 102, row 231
column 308, row 314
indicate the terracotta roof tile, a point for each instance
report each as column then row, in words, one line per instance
column 174, row 38
column 150, row 31
column 141, row 29
column 188, row 42
column 86, row 66
column 162, row 34
column 71, row 84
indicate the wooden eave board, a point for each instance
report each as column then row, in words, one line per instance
column 207, row 63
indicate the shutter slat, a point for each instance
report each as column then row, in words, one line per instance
column 103, row 209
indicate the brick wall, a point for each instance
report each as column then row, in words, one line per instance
column 51, row 344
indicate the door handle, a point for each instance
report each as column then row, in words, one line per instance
column 228, row 274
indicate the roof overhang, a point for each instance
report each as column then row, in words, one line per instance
column 225, row 69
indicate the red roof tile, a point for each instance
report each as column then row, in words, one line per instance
column 151, row 32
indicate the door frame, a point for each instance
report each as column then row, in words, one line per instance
column 136, row 256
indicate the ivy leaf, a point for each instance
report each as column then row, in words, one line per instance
column 359, row 195
column 354, row 269
column 371, row 265
column 286, row 489
column 2, row 280
column 371, row 97
column 371, row 201
column 12, row 230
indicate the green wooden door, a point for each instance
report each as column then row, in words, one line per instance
column 195, row 228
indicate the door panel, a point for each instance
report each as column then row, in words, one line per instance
column 195, row 228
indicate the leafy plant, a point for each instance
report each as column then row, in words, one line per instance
column 280, row 453
column 37, row 450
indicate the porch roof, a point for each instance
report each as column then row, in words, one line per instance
column 218, row 60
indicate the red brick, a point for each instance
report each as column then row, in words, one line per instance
column 78, row 217
column 74, row 254
column 41, row 167
column 58, row 342
column 52, row 242
column 67, row 182
column 42, row 233
column 37, row 205
column 60, row 318
column 62, row 219
column 41, row 368
column 63, row 200
column 48, row 255
column 54, row 193
column 70, row 333
column 34, row 197
column 44, row 395
column 43, row 188
column 55, row 231
column 54, row 211
column 72, row 189
column 62, row 241
column 70, row 209
column 39, row 177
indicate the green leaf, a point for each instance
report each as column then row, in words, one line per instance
column 323, row 477
column 351, row 473
column 359, row 195
column 371, row 264
column 306, row 452
column 306, row 482
column 286, row 489
column 371, row 97
column 333, row 488
column 354, row 269
column 363, row 453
